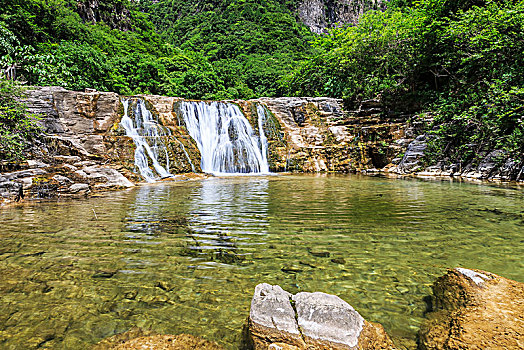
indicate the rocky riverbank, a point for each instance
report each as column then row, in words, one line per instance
column 84, row 148
column 470, row 309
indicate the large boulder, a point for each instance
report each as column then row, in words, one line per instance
column 313, row 321
column 474, row 309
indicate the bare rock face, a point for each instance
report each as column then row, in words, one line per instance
column 75, row 121
column 474, row 309
column 280, row 320
column 320, row 15
column 317, row 134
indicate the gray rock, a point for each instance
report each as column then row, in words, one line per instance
column 36, row 164
column 279, row 320
column 27, row 182
column 320, row 15
column 84, row 163
column 24, row 174
column 81, row 173
column 76, row 188
column 109, row 177
column 10, row 190
column 490, row 163
column 411, row 160
column 70, row 167
column 271, row 308
column 62, row 179
column 326, row 319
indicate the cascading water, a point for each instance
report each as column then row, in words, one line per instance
column 226, row 140
column 147, row 135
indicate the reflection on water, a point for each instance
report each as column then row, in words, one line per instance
column 186, row 257
column 223, row 215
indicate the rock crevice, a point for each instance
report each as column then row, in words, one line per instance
column 309, row 321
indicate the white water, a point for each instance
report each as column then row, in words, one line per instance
column 147, row 135
column 226, row 140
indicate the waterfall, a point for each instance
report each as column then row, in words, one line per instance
column 147, row 134
column 226, row 140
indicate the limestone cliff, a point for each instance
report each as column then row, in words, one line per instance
column 320, row 15
column 85, row 147
column 114, row 14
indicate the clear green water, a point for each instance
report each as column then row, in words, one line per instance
column 185, row 258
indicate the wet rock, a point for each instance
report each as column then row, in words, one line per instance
column 311, row 321
column 104, row 274
column 139, row 339
column 319, row 253
column 291, row 269
column 411, row 160
column 473, row 309
column 104, row 177
column 11, row 191
column 165, row 286
column 327, row 320
column 341, row 261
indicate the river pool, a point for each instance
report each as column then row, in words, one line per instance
column 185, row 257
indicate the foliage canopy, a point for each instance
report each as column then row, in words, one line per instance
column 462, row 59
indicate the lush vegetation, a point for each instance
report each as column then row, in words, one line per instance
column 211, row 50
column 17, row 127
column 461, row 60
column 251, row 44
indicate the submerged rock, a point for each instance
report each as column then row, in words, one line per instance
column 280, row 320
column 474, row 309
column 136, row 339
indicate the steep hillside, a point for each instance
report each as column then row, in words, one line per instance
column 210, row 49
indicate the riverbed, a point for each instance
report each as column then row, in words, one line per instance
column 185, row 257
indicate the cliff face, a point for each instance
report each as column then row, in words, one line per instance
column 85, row 147
column 113, row 13
column 320, row 15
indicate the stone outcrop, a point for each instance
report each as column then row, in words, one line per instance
column 473, row 309
column 139, row 339
column 320, row 135
column 85, row 143
column 280, row 320
column 84, row 148
column 115, row 15
column 320, row 15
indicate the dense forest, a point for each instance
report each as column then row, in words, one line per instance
column 459, row 60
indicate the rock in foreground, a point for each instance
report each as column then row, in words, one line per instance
column 313, row 321
column 474, row 309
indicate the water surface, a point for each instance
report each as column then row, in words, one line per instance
column 185, row 257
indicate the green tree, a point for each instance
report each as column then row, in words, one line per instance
column 17, row 127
